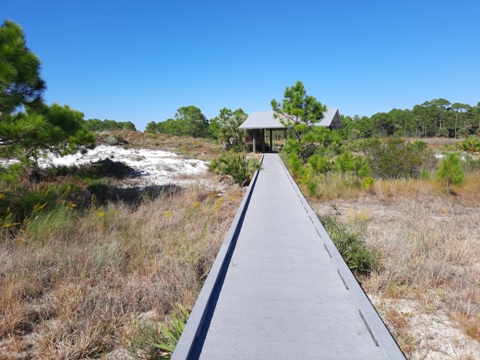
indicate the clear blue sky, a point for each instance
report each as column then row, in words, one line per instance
column 141, row 60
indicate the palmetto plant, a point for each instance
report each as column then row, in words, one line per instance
column 172, row 331
column 231, row 133
column 470, row 144
column 236, row 165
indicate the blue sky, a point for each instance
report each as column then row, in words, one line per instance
column 141, row 60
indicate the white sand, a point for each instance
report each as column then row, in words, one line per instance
column 152, row 167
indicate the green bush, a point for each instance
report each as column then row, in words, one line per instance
column 395, row 158
column 236, row 165
column 367, row 183
column 470, row 144
column 345, row 162
column 442, row 132
column 295, row 164
column 425, row 175
column 450, row 172
column 463, row 132
column 306, row 151
column 364, row 171
column 351, row 246
column 320, row 164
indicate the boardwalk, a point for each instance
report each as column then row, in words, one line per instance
column 282, row 296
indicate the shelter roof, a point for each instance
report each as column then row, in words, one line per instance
column 267, row 120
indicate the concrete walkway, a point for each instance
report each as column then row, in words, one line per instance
column 282, row 297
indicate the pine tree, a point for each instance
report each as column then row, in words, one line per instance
column 27, row 125
column 450, row 172
column 298, row 111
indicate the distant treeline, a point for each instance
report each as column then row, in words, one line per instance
column 190, row 121
column 437, row 117
column 104, row 125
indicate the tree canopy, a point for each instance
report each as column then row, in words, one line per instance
column 20, row 81
column 188, row 121
column 437, row 117
column 297, row 110
column 103, row 125
column 27, row 125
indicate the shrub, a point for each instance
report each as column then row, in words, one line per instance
column 364, row 171
column 450, row 172
column 470, row 144
column 351, row 246
column 236, row 165
column 367, row 183
column 442, row 132
column 306, row 151
column 295, row 164
column 345, row 162
column 463, row 132
column 425, row 175
column 320, row 164
column 172, row 331
column 396, row 158
column 291, row 145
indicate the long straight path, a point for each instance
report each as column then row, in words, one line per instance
column 282, row 296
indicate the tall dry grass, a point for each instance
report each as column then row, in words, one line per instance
column 428, row 286
column 73, row 283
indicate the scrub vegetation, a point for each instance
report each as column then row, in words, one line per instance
column 405, row 215
column 91, row 270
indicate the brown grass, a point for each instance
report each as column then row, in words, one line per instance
column 73, row 283
column 429, row 280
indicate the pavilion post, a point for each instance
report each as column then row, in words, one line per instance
column 271, row 141
column 263, row 140
column 254, row 145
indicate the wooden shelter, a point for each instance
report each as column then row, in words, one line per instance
column 262, row 121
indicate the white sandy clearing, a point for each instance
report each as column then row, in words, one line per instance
column 435, row 335
column 151, row 167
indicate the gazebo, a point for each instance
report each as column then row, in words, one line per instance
column 265, row 120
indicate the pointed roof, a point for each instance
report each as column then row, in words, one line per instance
column 267, row 120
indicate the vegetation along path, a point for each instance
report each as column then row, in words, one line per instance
column 285, row 294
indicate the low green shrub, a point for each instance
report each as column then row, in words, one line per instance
column 450, row 172
column 237, row 165
column 172, row 331
column 470, row 144
column 351, row 246
column 295, row 164
column 395, row 158
column 442, row 132
column 367, row 183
